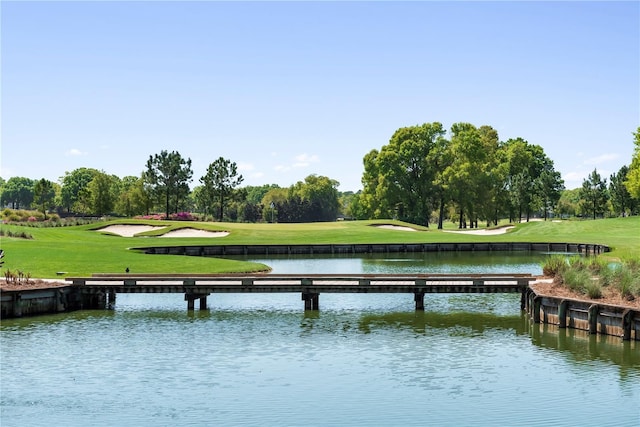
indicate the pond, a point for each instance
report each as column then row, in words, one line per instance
column 362, row 360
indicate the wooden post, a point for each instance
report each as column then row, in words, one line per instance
column 418, row 297
column 562, row 314
column 537, row 302
column 593, row 318
column 203, row 303
column 311, row 300
column 626, row 325
column 191, row 304
column 111, row 299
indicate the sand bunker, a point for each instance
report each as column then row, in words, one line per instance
column 483, row 232
column 127, row 230
column 194, row 232
column 396, row 227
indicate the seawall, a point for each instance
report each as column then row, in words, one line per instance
column 309, row 249
column 589, row 316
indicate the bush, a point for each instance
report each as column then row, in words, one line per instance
column 554, row 265
column 576, row 279
column 593, row 289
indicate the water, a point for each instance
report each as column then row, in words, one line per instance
column 412, row 262
column 363, row 360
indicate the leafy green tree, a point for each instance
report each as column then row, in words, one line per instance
column 633, row 176
column 132, row 198
column 271, row 201
column 74, row 194
column 18, row 192
column 168, row 176
column 593, row 194
column 318, row 198
column 101, row 191
column 255, row 194
column 621, row 199
column 373, row 201
column 220, row 182
column 44, row 195
column 569, row 203
column 465, row 177
column 399, row 179
column 550, row 186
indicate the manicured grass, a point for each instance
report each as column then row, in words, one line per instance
column 80, row 250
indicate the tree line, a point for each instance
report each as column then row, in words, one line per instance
column 421, row 176
column 164, row 186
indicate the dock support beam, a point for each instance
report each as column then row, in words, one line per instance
column 191, row 301
column 311, row 300
column 418, row 297
column 111, row 299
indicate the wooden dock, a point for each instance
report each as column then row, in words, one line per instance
column 100, row 290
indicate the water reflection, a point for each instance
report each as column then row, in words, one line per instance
column 410, row 262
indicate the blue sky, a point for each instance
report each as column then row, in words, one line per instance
column 288, row 89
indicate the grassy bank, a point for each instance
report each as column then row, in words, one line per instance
column 82, row 250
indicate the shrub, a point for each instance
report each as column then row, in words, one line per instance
column 593, row 288
column 576, row 279
column 554, row 265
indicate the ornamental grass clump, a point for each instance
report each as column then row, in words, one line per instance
column 576, row 279
column 554, row 265
column 626, row 279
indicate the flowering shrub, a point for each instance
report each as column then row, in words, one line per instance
column 183, row 216
column 180, row 216
column 32, row 219
column 156, row 217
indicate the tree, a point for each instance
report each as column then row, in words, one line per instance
column 43, row 195
column 101, row 193
column 594, row 195
column 633, row 176
column 465, row 176
column 550, row 186
column 17, row 191
column 399, row 179
column 168, row 175
column 220, row 182
column 569, row 202
column 318, row 198
column 132, row 199
column 621, row 199
column 74, row 194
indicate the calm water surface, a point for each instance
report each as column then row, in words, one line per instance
column 363, row 360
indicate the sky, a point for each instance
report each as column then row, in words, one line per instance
column 290, row 89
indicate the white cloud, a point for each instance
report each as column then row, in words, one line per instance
column 74, row 152
column 598, row 160
column 304, row 160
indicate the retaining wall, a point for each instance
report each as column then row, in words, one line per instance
column 584, row 315
column 230, row 250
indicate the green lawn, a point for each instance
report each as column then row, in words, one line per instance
column 81, row 250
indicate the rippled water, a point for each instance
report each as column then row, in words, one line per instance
column 362, row 360
column 411, row 262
